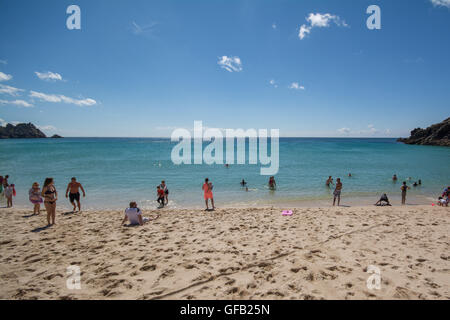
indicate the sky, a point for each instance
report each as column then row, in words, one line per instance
column 310, row 68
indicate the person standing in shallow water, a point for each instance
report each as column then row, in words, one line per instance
column 404, row 188
column 207, row 193
column 272, row 183
column 337, row 192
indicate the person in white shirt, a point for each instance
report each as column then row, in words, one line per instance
column 134, row 215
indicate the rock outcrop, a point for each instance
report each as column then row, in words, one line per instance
column 436, row 135
column 21, row 130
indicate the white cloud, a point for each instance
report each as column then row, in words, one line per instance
column 230, row 63
column 5, row 77
column 274, row 26
column 55, row 98
column 304, row 30
column 344, row 130
column 147, row 29
column 48, row 76
column 318, row 20
column 273, row 83
column 3, row 62
column 441, row 3
column 296, row 86
column 9, row 90
column 3, row 122
column 19, row 103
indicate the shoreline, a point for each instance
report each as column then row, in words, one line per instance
column 322, row 202
column 231, row 253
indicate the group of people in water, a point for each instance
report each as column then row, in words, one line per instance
column 49, row 196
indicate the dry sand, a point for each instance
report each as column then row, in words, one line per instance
column 246, row 253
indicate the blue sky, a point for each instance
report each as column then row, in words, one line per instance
column 143, row 68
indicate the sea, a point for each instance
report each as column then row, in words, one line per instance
column 115, row 171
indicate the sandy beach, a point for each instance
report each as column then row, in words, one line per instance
column 318, row 253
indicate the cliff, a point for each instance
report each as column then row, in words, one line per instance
column 436, row 135
column 21, row 130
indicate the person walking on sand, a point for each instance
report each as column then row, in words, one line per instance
column 207, row 190
column 35, row 197
column 74, row 187
column 337, row 192
column 134, row 215
column 50, row 197
column 404, row 188
column 163, row 186
column 329, row 181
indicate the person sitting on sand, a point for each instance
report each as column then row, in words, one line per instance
column 160, row 195
column 163, row 186
column 134, row 215
column 443, row 202
column 272, row 183
column 74, row 194
column 404, row 188
column 207, row 193
column 384, row 201
column 329, row 181
column 337, row 192
column 35, row 197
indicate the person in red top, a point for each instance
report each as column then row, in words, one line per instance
column 160, row 194
column 207, row 189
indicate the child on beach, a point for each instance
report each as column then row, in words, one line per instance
column 404, row 188
column 207, row 190
column 9, row 193
column 160, row 194
column 163, row 186
column 35, row 197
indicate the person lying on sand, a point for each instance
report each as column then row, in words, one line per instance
column 384, row 201
column 134, row 215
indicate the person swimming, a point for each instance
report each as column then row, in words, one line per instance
column 394, row 178
column 243, row 183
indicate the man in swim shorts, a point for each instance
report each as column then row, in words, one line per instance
column 74, row 194
column 337, row 192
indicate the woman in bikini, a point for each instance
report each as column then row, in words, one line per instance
column 50, row 197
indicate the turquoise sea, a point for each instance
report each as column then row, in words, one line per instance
column 114, row 171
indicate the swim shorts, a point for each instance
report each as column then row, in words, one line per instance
column 74, row 196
